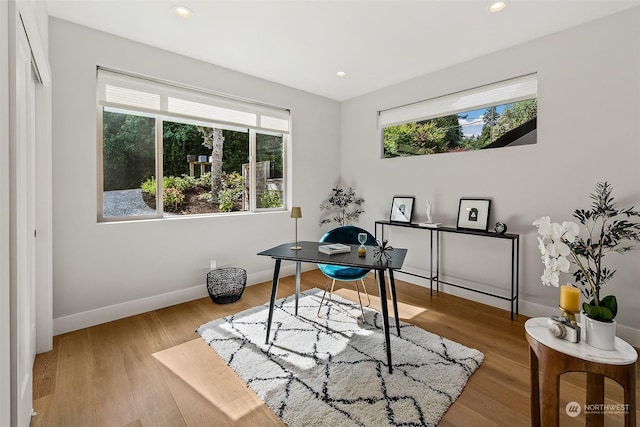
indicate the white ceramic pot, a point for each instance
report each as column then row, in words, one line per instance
column 600, row 335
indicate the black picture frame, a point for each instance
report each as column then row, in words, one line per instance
column 402, row 209
column 473, row 214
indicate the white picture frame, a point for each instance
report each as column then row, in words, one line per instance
column 473, row 214
column 402, row 209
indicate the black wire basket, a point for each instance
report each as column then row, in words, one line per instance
column 226, row 285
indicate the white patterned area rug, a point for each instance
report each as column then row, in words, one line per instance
column 332, row 371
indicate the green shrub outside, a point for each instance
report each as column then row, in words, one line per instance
column 149, row 186
column 204, row 180
column 231, row 191
column 173, row 198
column 271, row 199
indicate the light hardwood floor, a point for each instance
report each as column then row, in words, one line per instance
column 153, row 370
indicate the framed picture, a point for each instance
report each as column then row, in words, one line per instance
column 473, row 214
column 401, row 209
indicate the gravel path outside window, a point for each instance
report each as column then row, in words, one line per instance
column 125, row 203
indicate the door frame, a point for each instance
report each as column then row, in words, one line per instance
column 22, row 252
column 5, row 305
column 44, row 187
column 19, row 16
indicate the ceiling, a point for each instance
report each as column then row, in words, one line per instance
column 304, row 43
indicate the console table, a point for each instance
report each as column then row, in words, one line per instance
column 434, row 257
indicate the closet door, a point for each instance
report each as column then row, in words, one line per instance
column 23, row 239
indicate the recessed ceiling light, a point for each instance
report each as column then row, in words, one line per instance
column 182, row 11
column 341, row 74
column 497, row 6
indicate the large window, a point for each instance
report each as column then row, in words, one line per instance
column 213, row 154
column 497, row 115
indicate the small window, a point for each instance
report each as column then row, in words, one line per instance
column 214, row 154
column 498, row 115
column 129, row 160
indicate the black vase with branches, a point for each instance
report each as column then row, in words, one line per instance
column 343, row 206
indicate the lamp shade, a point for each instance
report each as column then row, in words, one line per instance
column 296, row 212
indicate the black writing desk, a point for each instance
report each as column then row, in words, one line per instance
column 310, row 253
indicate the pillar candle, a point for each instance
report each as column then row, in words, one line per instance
column 570, row 298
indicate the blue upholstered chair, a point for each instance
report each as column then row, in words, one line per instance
column 346, row 234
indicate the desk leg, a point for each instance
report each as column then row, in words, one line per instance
column 392, row 285
column 385, row 316
column 298, row 268
column 535, row 388
column 274, row 291
column 595, row 395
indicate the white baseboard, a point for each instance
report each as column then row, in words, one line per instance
column 73, row 322
column 85, row 319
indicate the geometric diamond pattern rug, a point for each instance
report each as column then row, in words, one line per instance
column 331, row 370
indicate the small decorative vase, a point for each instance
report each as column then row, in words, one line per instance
column 362, row 251
column 600, row 335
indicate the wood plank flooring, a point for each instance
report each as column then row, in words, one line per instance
column 107, row 375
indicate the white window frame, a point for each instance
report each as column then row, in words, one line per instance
column 156, row 103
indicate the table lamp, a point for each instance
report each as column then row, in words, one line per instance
column 296, row 212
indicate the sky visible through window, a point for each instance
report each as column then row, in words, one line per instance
column 472, row 122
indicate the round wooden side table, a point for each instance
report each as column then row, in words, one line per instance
column 557, row 356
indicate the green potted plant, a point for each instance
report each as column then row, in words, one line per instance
column 609, row 230
column 343, row 205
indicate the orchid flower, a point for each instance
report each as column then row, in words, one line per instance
column 555, row 252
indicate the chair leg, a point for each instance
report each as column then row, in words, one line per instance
column 325, row 293
column 360, row 301
column 366, row 293
column 333, row 284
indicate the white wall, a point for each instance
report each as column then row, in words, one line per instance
column 106, row 270
column 587, row 132
column 588, row 110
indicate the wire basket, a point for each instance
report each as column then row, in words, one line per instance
column 226, row 285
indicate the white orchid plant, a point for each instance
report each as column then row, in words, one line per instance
column 608, row 231
column 553, row 245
